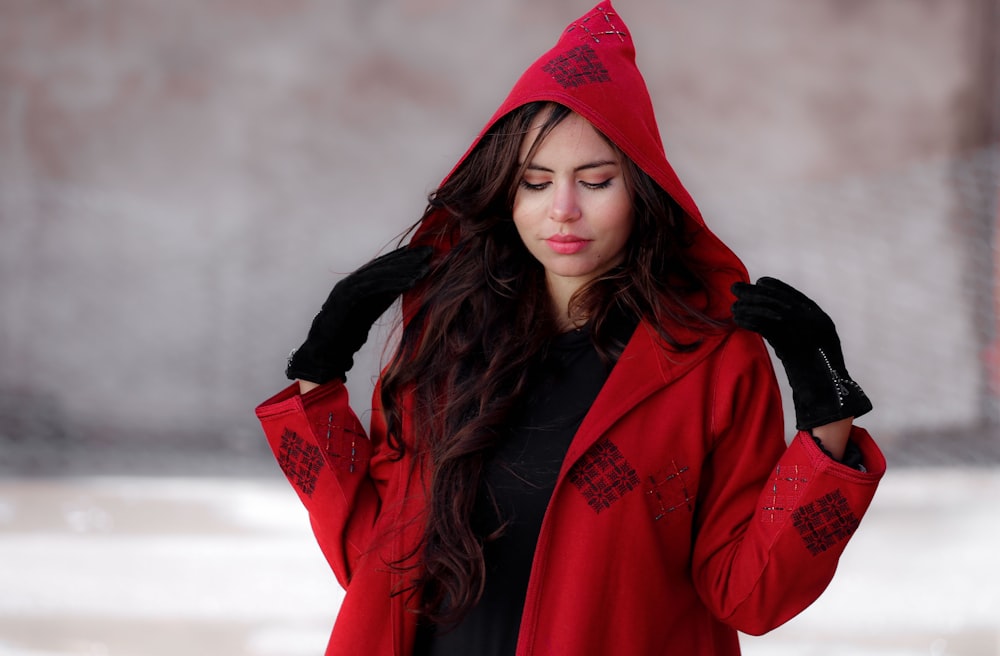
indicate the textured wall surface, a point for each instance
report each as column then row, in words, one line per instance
column 181, row 183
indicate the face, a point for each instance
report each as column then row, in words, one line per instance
column 572, row 208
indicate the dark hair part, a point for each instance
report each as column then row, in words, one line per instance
column 483, row 316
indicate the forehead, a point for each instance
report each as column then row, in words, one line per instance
column 572, row 137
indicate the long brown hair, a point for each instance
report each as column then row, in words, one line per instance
column 482, row 318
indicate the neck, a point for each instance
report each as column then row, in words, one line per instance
column 561, row 293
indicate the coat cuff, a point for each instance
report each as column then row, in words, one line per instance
column 872, row 458
column 323, row 418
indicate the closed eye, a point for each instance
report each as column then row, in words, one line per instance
column 539, row 186
column 524, row 184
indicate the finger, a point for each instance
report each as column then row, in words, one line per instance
column 783, row 290
column 756, row 296
column 398, row 271
column 393, row 285
column 404, row 257
column 739, row 288
column 759, row 319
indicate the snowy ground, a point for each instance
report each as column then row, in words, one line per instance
column 165, row 566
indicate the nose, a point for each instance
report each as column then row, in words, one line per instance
column 565, row 206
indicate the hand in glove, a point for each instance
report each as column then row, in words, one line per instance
column 805, row 340
column 356, row 302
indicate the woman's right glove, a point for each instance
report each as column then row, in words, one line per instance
column 805, row 340
column 356, row 302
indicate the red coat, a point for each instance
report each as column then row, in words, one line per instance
column 679, row 516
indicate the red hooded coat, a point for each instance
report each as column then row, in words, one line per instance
column 679, row 516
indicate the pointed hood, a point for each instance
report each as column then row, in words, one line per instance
column 592, row 70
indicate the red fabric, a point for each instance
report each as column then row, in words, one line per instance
column 679, row 516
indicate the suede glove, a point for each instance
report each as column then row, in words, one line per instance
column 805, row 340
column 356, row 302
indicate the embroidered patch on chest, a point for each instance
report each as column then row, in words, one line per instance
column 603, row 475
column 825, row 522
column 302, row 462
column 577, row 67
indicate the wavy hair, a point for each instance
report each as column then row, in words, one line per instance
column 483, row 317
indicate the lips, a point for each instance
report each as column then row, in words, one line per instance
column 566, row 244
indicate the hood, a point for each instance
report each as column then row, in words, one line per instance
column 592, row 70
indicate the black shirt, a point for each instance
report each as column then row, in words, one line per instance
column 522, row 474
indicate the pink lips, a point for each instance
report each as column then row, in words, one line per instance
column 566, row 244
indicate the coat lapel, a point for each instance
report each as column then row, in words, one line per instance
column 645, row 366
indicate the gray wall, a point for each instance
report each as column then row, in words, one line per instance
column 181, row 183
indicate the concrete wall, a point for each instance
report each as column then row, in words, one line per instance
column 181, row 183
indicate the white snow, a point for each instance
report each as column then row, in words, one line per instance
column 149, row 567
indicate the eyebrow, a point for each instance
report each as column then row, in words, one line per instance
column 582, row 167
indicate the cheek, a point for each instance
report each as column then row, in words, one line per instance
column 620, row 224
column 519, row 222
column 524, row 208
column 526, row 215
column 620, row 241
column 523, row 227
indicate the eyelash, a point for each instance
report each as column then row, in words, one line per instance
column 593, row 186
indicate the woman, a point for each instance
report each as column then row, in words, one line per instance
column 574, row 449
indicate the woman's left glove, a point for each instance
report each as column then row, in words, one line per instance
column 343, row 323
column 805, row 340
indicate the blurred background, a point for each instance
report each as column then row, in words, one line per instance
column 181, row 184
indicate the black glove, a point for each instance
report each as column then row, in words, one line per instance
column 343, row 323
column 805, row 340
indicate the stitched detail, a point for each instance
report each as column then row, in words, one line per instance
column 669, row 491
column 598, row 29
column 784, row 492
column 577, row 67
column 839, row 386
column 825, row 522
column 302, row 462
column 345, row 460
column 603, row 475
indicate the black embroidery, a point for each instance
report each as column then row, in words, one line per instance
column 302, row 462
column 603, row 475
column 669, row 491
column 825, row 522
column 577, row 67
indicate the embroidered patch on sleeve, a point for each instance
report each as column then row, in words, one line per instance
column 577, row 67
column 669, row 492
column 302, row 462
column 603, row 475
column 346, row 457
column 825, row 522
column 786, row 487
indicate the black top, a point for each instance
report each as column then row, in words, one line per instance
column 522, row 474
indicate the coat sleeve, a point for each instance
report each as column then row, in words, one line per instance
column 773, row 519
column 338, row 472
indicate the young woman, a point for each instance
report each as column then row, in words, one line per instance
column 576, row 447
